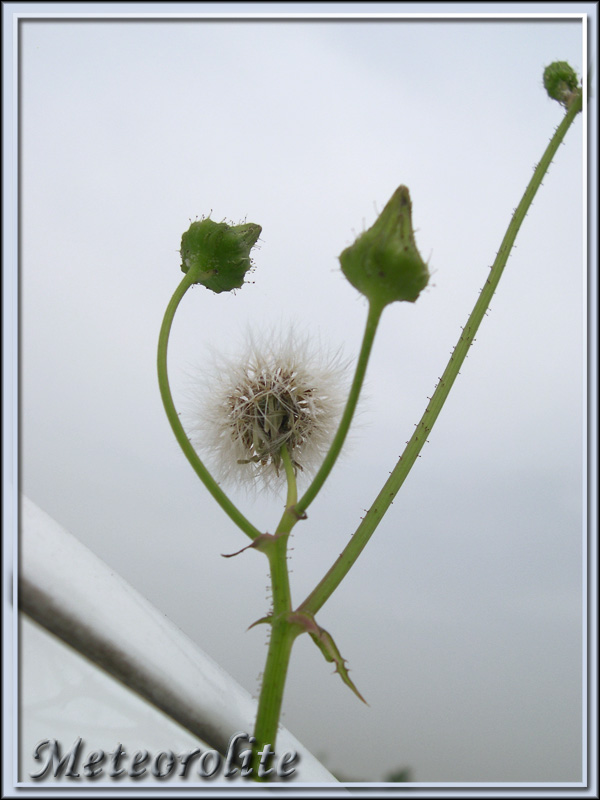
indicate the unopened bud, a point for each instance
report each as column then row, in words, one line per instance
column 384, row 263
column 217, row 254
column 560, row 81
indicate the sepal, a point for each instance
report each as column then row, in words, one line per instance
column 217, row 254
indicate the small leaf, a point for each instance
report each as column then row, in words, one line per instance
column 261, row 543
column 327, row 646
column 262, row 621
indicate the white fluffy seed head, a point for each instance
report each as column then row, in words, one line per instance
column 280, row 391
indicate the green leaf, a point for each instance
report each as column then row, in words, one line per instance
column 262, row 542
column 268, row 620
column 327, row 646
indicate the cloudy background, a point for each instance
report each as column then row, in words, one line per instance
column 462, row 621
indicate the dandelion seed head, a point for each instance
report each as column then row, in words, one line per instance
column 279, row 391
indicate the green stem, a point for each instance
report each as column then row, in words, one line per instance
column 347, row 558
column 271, row 696
column 283, row 632
column 180, row 434
column 292, row 490
column 373, row 318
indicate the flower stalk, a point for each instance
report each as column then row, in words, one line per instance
column 373, row 317
column 165, row 391
column 325, row 588
column 385, row 266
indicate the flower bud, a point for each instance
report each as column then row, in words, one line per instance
column 560, row 81
column 384, row 263
column 218, row 254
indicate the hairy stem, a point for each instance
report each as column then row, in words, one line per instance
column 292, row 490
column 283, row 632
column 373, row 318
column 323, row 591
column 163, row 381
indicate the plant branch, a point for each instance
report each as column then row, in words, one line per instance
column 163, row 380
column 323, row 591
column 373, row 318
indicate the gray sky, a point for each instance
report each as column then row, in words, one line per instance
column 462, row 620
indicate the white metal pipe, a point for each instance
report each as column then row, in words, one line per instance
column 76, row 596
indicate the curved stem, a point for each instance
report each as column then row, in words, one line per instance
column 323, row 591
column 163, row 381
column 373, row 318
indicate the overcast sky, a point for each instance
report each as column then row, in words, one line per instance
column 462, row 621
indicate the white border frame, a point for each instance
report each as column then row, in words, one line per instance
column 10, row 374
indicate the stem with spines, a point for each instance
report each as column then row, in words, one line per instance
column 283, row 632
column 323, row 591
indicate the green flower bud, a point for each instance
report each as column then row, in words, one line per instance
column 560, row 81
column 217, row 254
column 384, row 263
